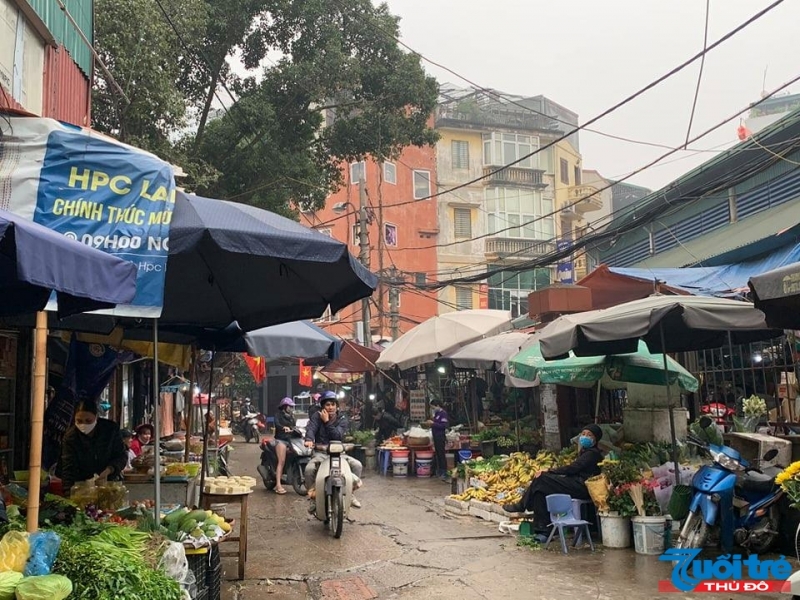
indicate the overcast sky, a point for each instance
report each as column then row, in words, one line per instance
column 589, row 54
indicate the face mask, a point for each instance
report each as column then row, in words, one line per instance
column 86, row 428
column 585, row 441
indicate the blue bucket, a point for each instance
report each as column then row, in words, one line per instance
column 464, row 455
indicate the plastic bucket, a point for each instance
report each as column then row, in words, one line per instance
column 424, row 468
column 424, row 455
column 400, row 454
column 400, row 469
column 648, row 534
column 464, row 455
column 616, row 531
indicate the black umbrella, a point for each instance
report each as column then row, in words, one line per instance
column 777, row 294
column 233, row 262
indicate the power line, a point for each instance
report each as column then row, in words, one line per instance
column 699, row 75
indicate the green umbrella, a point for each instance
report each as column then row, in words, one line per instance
column 611, row 371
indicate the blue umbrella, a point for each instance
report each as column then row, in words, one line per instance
column 299, row 339
column 36, row 261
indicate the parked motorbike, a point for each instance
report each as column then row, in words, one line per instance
column 297, row 457
column 334, row 488
column 249, row 427
column 738, row 500
column 719, row 412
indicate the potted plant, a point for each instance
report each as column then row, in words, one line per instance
column 615, row 523
column 789, row 480
column 649, row 525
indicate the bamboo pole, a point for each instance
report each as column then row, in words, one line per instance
column 190, row 410
column 37, row 419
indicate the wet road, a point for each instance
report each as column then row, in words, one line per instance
column 403, row 545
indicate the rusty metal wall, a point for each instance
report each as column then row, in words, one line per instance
column 66, row 93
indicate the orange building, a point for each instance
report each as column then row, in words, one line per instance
column 402, row 232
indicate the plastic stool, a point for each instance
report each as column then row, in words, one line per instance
column 384, row 460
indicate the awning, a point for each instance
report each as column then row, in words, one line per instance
column 353, row 358
column 759, row 234
column 609, row 287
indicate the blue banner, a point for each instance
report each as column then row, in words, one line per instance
column 95, row 190
column 564, row 269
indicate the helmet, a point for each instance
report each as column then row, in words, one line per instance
column 316, row 397
column 329, row 395
column 286, row 402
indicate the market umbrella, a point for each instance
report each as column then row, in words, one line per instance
column 439, row 335
column 298, row 339
column 777, row 294
column 665, row 323
column 354, row 358
column 493, row 353
column 35, row 262
column 611, row 370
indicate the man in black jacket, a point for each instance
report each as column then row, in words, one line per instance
column 569, row 479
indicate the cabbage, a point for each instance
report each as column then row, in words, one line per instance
column 8, row 583
column 44, row 587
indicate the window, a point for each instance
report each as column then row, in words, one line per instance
column 463, row 298
column 358, row 171
column 327, row 317
column 462, row 222
column 390, row 234
column 504, row 148
column 460, row 151
column 326, row 231
column 420, row 278
column 577, row 175
column 509, row 290
column 390, row 173
column 564, row 171
column 520, row 213
column 422, row 184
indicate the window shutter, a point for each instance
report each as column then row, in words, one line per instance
column 462, row 222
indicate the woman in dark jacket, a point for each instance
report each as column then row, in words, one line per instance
column 91, row 446
column 569, row 479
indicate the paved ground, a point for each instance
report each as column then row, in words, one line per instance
column 402, row 545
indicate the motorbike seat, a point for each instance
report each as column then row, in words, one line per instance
column 758, row 483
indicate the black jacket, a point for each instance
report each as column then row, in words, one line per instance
column 584, row 467
column 83, row 456
column 283, row 419
column 322, row 433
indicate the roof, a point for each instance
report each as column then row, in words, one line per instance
column 761, row 233
column 748, row 157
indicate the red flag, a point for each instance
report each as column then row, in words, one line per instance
column 306, row 375
column 257, row 366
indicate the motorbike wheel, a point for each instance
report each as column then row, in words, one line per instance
column 269, row 481
column 254, row 435
column 299, row 482
column 697, row 533
column 337, row 513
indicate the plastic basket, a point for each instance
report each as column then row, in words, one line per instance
column 198, row 565
column 214, row 574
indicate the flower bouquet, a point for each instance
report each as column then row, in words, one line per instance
column 753, row 408
column 789, row 480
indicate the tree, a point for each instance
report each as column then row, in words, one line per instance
column 339, row 89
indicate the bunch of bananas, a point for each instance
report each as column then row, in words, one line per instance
column 506, row 485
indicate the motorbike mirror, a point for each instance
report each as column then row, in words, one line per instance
column 705, row 422
column 770, row 454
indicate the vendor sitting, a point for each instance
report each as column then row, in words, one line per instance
column 569, row 479
column 91, row 447
column 144, row 433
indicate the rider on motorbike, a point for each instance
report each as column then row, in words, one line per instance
column 323, row 427
column 284, row 424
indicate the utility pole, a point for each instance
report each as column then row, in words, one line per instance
column 363, row 242
column 394, row 296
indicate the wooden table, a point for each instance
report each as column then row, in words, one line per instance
column 207, row 500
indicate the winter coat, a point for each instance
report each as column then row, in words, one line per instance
column 323, row 433
column 83, row 456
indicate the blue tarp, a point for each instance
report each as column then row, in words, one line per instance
column 722, row 281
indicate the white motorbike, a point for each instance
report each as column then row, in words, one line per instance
column 334, row 488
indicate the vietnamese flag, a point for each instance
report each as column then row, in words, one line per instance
column 257, row 366
column 306, row 375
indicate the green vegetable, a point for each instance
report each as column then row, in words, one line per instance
column 175, row 516
column 8, row 584
column 188, row 525
column 44, row 587
column 198, row 515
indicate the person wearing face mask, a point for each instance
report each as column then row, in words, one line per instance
column 144, row 433
column 284, row 424
column 91, row 447
column 569, row 479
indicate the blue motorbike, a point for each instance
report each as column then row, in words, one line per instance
column 732, row 499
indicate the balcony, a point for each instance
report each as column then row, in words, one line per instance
column 500, row 247
column 587, row 197
column 515, row 176
column 470, row 116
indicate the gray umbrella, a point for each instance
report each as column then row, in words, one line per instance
column 777, row 293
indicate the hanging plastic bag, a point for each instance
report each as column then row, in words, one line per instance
column 44, row 549
column 598, row 491
column 44, row 587
column 14, row 551
column 175, row 564
column 8, row 584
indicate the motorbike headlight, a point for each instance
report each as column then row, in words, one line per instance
column 726, row 462
column 718, row 412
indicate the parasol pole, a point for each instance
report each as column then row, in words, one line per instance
column 156, row 426
column 673, row 437
column 37, row 419
column 597, row 403
column 205, row 424
column 190, row 410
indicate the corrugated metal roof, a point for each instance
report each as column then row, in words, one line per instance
column 719, row 247
column 66, row 94
column 64, row 32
